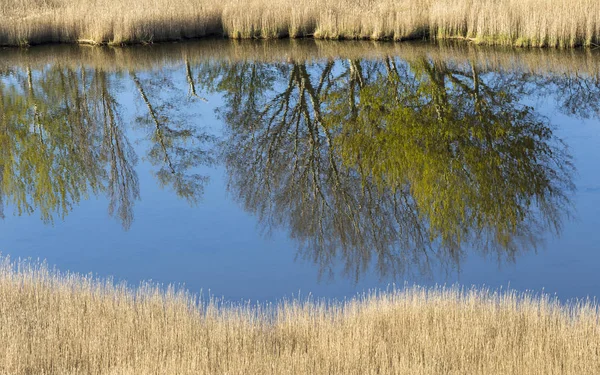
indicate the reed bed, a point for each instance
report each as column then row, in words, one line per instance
column 53, row 323
column 532, row 23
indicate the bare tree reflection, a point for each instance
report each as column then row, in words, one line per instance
column 391, row 163
column 577, row 95
column 178, row 145
column 122, row 181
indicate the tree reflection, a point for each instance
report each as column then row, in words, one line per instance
column 391, row 162
column 579, row 96
column 401, row 164
column 178, row 145
column 59, row 128
column 63, row 138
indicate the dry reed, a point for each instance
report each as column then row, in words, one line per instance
column 52, row 323
column 539, row 23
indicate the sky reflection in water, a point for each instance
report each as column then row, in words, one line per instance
column 258, row 177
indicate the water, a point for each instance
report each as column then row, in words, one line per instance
column 262, row 170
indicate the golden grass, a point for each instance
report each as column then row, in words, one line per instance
column 540, row 23
column 53, row 323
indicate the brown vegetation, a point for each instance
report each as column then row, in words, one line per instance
column 53, row 323
column 538, row 23
column 113, row 58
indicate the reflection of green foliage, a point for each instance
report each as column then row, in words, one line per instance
column 62, row 138
column 387, row 162
column 44, row 154
column 471, row 156
column 394, row 159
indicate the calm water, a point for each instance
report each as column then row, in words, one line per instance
column 261, row 170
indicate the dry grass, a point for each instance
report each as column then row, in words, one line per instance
column 555, row 23
column 69, row 324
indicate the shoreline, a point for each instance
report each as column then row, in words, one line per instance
column 534, row 60
column 221, row 37
column 57, row 323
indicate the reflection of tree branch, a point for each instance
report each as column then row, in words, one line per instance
column 158, row 126
column 177, row 145
column 429, row 157
column 53, row 144
column 123, row 181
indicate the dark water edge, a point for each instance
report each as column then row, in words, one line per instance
column 419, row 37
column 280, row 49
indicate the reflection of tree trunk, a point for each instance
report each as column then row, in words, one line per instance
column 285, row 107
column 476, row 93
column 158, row 125
column 355, row 79
column 37, row 126
column 324, row 75
column 190, row 80
column 123, row 180
column 480, row 105
column 116, row 149
column 475, row 81
column 438, row 79
column 391, row 68
column 30, row 81
column 306, row 85
column 80, row 106
column 356, row 73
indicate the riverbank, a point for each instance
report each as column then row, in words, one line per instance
column 525, row 23
column 56, row 323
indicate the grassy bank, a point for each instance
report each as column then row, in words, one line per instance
column 538, row 23
column 69, row 324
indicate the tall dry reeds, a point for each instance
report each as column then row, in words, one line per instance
column 535, row 23
column 540, row 23
column 53, row 323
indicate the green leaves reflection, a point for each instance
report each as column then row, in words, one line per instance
column 393, row 162
column 63, row 138
column 399, row 163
